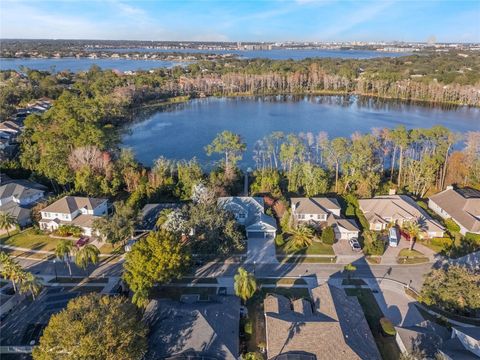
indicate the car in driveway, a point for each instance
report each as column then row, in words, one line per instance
column 354, row 244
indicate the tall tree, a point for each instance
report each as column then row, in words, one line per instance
column 7, row 221
column 414, row 229
column 94, row 327
column 30, row 283
column 302, row 237
column 229, row 144
column 118, row 227
column 63, row 251
column 245, row 284
column 156, row 259
column 86, row 255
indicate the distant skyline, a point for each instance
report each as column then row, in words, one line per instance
column 248, row 20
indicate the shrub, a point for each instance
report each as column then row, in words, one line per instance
column 285, row 221
column 387, row 326
column 328, row 236
column 372, row 245
column 472, row 237
column 248, row 327
column 451, row 225
column 279, row 240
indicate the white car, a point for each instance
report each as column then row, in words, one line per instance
column 355, row 245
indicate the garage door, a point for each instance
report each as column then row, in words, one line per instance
column 255, row 234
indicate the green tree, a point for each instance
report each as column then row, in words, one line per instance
column 94, row 327
column 454, row 288
column 11, row 270
column 349, row 269
column 158, row 258
column 245, row 284
column 189, row 175
column 120, row 226
column 86, row 255
column 302, row 237
column 373, row 245
column 7, row 221
column 30, row 283
column 328, row 235
column 63, row 251
column 336, row 155
column 229, row 144
column 414, row 229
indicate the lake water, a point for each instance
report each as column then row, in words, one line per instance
column 182, row 131
column 83, row 64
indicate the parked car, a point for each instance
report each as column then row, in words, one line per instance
column 393, row 236
column 82, row 241
column 355, row 245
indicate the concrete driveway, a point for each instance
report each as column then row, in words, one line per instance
column 391, row 253
column 261, row 250
column 396, row 305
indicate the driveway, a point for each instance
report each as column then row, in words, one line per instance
column 344, row 252
column 396, row 305
column 391, row 253
column 261, row 250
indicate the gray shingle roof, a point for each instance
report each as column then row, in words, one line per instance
column 317, row 205
column 208, row 328
column 252, row 206
column 463, row 205
column 334, row 327
column 21, row 189
column 70, row 204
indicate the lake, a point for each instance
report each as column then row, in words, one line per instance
column 83, row 64
column 182, row 131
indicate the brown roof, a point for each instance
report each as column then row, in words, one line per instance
column 348, row 224
column 332, row 327
column 317, row 205
column 397, row 207
column 463, row 205
column 70, row 204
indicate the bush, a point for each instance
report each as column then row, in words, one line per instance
column 285, row 221
column 248, row 327
column 451, row 225
column 279, row 240
column 328, row 236
column 372, row 245
column 387, row 326
column 472, row 237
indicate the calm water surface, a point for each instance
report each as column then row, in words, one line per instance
column 83, row 64
column 182, row 131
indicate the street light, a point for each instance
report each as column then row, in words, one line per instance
column 254, row 263
column 55, row 268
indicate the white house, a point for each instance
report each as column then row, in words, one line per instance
column 73, row 210
column 249, row 212
column 324, row 211
column 460, row 205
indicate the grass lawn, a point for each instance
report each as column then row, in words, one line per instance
column 373, row 259
column 386, row 344
column 283, row 281
column 406, row 256
column 308, row 260
column 110, row 249
column 176, row 292
column 27, row 254
column 29, row 240
column 317, row 248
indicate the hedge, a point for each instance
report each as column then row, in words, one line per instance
column 328, row 236
column 387, row 326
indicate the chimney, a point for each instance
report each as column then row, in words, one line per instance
column 449, row 187
column 392, row 191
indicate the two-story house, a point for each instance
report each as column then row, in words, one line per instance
column 460, row 205
column 249, row 212
column 381, row 211
column 18, row 196
column 323, row 211
column 73, row 210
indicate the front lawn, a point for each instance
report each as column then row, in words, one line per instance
column 386, row 344
column 317, row 248
column 29, row 239
column 308, row 260
column 407, row 256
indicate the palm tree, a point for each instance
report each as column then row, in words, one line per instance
column 10, row 269
column 63, row 251
column 7, row 221
column 302, row 237
column 413, row 229
column 245, row 284
column 30, row 282
column 87, row 255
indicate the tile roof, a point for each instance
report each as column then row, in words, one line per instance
column 397, row 207
column 207, row 328
column 317, row 205
column 332, row 327
column 463, row 205
column 70, row 204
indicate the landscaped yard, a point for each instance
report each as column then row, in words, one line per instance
column 407, row 256
column 317, row 248
column 308, row 260
column 283, row 281
column 386, row 344
column 30, row 240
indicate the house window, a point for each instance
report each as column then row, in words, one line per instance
column 301, row 216
column 378, row 226
column 241, row 216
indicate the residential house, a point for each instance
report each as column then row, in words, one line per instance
column 17, row 197
column 331, row 326
column 460, row 205
column 193, row 329
column 324, row 211
column 464, row 344
column 249, row 212
column 73, row 210
column 381, row 211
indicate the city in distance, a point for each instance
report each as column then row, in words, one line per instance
column 239, row 179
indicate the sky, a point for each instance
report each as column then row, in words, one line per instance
column 242, row 20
